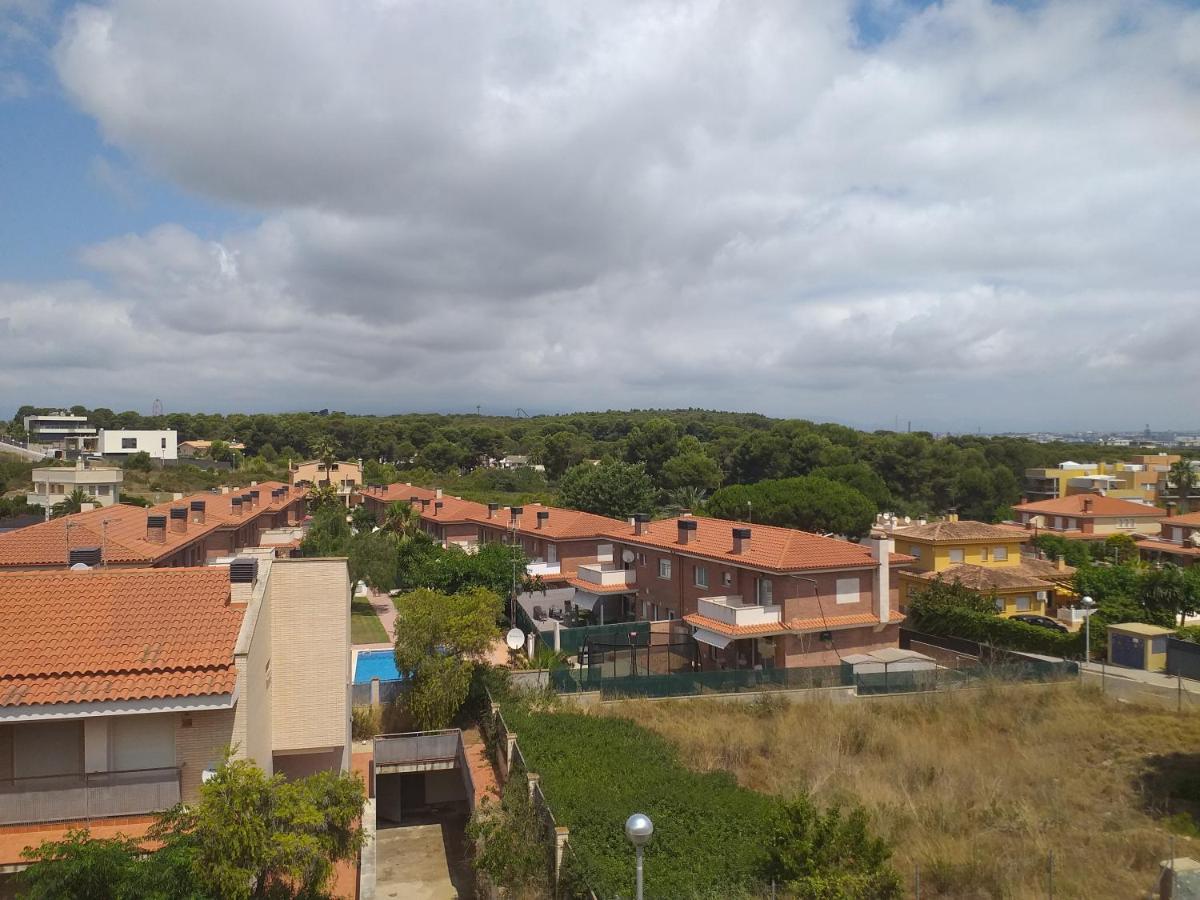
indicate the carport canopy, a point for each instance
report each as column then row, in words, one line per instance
column 720, row 641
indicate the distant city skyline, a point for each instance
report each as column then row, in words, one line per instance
column 974, row 214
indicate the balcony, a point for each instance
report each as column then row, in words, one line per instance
column 96, row 795
column 606, row 576
column 733, row 611
column 543, row 568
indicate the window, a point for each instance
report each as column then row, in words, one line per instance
column 641, row 559
column 983, row 553
column 100, row 490
column 956, row 554
column 1177, row 535
column 764, row 591
column 1125, row 523
column 1023, row 604
column 701, row 576
column 57, row 488
column 849, row 590
column 129, row 443
column 1158, row 645
column 999, row 553
column 645, row 609
column 604, row 552
column 915, row 550
column 999, row 605
column 164, row 443
column 1059, row 523
column 1072, row 524
column 727, row 579
column 142, row 742
column 664, row 568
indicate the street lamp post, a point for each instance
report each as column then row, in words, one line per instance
column 1088, row 603
column 639, row 828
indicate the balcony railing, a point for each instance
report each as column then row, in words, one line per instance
column 96, row 795
column 733, row 611
column 606, row 576
column 539, row 567
column 417, row 747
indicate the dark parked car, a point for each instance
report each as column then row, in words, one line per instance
column 1042, row 622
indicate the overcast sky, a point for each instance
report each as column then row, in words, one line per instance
column 965, row 214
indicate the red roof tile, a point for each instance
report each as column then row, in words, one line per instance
column 1101, row 506
column 121, row 634
column 736, row 631
column 771, row 547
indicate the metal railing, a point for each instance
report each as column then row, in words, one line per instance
column 94, row 795
column 417, row 747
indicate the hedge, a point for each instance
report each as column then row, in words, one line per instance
column 988, row 628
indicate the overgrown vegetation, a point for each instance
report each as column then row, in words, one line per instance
column 249, row 836
column 712, row 838
column 976, row 787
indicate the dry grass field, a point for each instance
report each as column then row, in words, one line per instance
column 977, row 787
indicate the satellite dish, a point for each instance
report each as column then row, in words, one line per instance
column 515, row 639
column 1195, row 538
column 627, row 556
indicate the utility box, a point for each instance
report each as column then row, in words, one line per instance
column 1138, row 646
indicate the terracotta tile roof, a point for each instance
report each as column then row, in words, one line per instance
column 121, row 634
column 963, row 531
column 562, row 524
column 592, row 588
column 1192, row 519
column 1044, row 568
column 454, row 510
column 390, row 493
column 771, row 547
column 1101, row 506
column 987, row 578
column 121, row 529
column 833, row 623
column 1162, row 546
column 736, row 631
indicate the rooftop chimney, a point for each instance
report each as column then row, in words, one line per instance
column 1087, row 504
column 254, row 499
column 492, row 507
column 741, row 540
column 1060, row 562
column 514, row 514
column 1171, row 504
column 179, row 517
column 198, row 511
column 156, row 529
column 414, row 499
column 247, row 503
column 639, row 523
column 437, row 493
column 437, row 504
column 236, row 506
column 952, row 515
column 243, row 573
column 542, row 516
column 686, row 529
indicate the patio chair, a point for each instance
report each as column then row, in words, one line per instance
column 539, row 614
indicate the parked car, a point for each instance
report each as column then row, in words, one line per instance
column 1042, row 622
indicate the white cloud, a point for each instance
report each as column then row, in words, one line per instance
column 575, row 205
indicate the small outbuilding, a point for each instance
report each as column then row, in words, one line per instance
column 1138, row 646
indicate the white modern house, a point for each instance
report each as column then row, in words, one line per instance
column 162, row 445
column 59, row 430
column 53, row 484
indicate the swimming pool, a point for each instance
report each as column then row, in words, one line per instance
column 379, row 664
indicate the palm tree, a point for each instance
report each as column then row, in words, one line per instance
column 72, row 503
column 325, row 449
column 688, row 498
column 401, row 518
column 1183, row 478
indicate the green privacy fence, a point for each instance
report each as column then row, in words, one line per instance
column 571, row 640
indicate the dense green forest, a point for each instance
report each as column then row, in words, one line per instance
column 685, row 456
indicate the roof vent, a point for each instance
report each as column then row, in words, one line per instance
column 687, row 527
column 243, row 570
column 437, row 504
column 542, row 517
column 514, row 512
column 236, row 505
column 156, row 529
column 492, row 507
column 741, row 540
column 254, row 498
column 198, row 510
column 179, row 517
column 85, row 556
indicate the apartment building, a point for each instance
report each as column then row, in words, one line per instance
column 758, row 595
column 59, row 430
column 1089, row 517
column 1141, row 478
column 187, row 531
column 985, row 559
column 121, row 688
column 345, row 476
column 53, row 484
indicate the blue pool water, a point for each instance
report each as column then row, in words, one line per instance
column 379, row 664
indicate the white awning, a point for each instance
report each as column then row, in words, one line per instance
column 720, row 641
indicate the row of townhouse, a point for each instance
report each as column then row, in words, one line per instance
column 188, row 531
column 121, row 688
column 751, row 594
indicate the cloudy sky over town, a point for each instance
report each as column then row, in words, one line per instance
column 967, row 214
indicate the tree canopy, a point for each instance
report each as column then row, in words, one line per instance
column 612, row 488
column 807, row 502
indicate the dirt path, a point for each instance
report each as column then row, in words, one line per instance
column 483, row 774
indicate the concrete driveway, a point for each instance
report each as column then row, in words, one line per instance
column 423, row 862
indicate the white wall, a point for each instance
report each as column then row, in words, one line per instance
column 111, row 442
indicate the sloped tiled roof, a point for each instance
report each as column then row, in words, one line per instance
column 1190, row 519
column 962, row 531
column 735, row 631
column 989, row 578
column 121, row 529
column 562, row 524
column 771, row 547
column 121, row 634
column 1072, row 505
